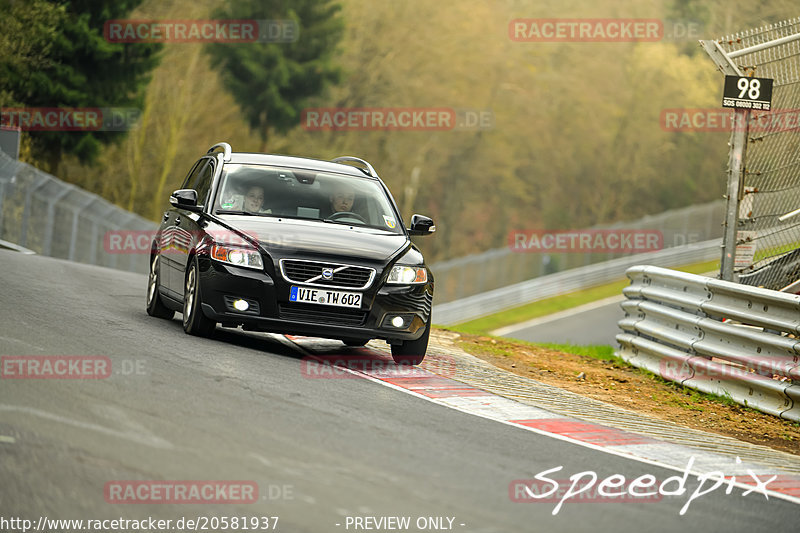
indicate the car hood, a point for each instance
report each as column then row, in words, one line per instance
column 286, row 237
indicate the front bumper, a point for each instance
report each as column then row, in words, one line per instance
column 270, row 309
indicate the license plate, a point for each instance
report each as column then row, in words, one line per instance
column 325, row 297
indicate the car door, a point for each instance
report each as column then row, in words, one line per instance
column 169, row 226
column 187, row 228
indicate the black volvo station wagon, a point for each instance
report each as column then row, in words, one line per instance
column 292, row 245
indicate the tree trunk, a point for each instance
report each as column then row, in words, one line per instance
column 53, row 162
column 264, row 137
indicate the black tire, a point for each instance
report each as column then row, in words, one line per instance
column 355, row 342
column 194, row 321
column 412, row 352
column 155, row 307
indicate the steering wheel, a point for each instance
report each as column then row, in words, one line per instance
column 347, row 214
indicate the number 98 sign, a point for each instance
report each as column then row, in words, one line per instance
column 742, row 92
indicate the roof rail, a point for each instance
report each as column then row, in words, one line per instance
column 226, row 156
column 350, row 159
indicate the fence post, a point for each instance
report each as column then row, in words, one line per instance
column 2, row 194
column 73, row 241
column 47, row 245
column 23, row 237
column 735, row 164
column 762, row 176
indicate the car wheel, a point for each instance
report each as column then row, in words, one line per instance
column 155, row 307
column 355, row 342
column 194, row 321
column 412, row 352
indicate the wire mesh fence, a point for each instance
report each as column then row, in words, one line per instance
column 43, row 214
column 474, row 274
column 767, row 240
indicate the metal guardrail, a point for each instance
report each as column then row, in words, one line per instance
column 43, row 214
column 715, row 336
column 570, row 280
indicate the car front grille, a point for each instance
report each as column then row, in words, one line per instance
column 316, row 315
column 313, row 272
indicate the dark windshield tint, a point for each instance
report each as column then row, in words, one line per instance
column 323, row 196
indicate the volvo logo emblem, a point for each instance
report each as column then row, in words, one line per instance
column 327, row 273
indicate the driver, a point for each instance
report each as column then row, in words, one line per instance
column 254, row 200
column 342, row 198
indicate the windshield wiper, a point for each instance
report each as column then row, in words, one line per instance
column 232, row 212
column 359, row 226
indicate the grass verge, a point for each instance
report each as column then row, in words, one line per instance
column 547, row 306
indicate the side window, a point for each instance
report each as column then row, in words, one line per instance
column 202, row 184
column 191, row 177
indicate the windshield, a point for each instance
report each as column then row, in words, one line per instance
column 258, row 190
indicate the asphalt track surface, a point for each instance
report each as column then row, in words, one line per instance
column 239, row 407
column 585, row 325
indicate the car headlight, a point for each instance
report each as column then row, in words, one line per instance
column 243, row 257
column 406, row 275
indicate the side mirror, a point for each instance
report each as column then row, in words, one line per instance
column 421, row 225
column 185, row 199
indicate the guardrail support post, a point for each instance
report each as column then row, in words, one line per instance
column 735, row 187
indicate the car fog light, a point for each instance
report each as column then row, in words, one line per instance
column 241, row 305
column 398, row 322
